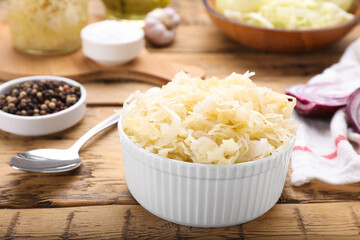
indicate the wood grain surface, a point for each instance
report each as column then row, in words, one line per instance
column 94, row 202
column 145, row 67
column 284, row 221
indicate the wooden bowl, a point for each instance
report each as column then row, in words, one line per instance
column 280, row 40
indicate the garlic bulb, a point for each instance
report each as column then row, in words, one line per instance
column 160, row 26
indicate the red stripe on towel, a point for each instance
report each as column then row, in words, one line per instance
column 330, row 156
column 301, row 148
column 339, row 139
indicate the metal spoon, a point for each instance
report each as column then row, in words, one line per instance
column 57, row 160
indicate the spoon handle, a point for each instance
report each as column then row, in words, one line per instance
column 101, row 126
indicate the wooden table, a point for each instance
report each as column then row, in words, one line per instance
column 93, row 201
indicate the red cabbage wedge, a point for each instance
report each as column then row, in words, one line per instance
column 353, row 110
column 320, row 99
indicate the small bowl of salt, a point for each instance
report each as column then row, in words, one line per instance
column 112, row 42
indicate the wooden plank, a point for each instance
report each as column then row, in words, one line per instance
column 76, row 65
column 102, row 167
column 8, row 223
column 274, row 71
column 100, row 179
column 317, row 191
column 271, row 68
column 193, row 39
column 113, row 92
column 102, row 93
column 284, row 221
column 192, row 12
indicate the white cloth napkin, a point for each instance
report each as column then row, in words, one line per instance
column 328, row 150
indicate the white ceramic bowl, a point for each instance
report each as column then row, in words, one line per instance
column 112, row 49
column 203, row 195
column 47, row 124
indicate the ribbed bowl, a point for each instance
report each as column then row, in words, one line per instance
column 203, row 195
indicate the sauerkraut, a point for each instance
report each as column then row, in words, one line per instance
column 213, row 121
column 293, row 14
column 48, row 26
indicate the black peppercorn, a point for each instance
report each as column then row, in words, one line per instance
column 39, row 97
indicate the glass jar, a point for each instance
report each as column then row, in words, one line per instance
column 47, row 26
column 131, row 9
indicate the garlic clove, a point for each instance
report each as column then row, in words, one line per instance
column 173, row 13
column 160, row 35
column 160, row 26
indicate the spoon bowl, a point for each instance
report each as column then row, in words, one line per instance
column 58, row 160
column 46, row 160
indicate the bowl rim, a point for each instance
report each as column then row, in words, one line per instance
column 280, row 30
column 202, row 165
column 84, row 34
column 81, row 100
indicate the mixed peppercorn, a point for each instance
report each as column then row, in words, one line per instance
column 39, row 97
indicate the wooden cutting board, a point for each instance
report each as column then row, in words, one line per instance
column 145, row 67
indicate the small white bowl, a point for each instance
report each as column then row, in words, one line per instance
column 47, row 124
column 203, row 195
column 112, row 42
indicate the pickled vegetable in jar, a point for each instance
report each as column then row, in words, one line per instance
column 47, row 26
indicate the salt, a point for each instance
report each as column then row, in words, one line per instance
column 112, row 31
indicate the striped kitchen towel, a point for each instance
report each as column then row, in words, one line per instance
column 328, row 149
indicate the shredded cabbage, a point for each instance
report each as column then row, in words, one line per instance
column 239, row 5
column 213, row 121
column 344, row 4
column 293, row 14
